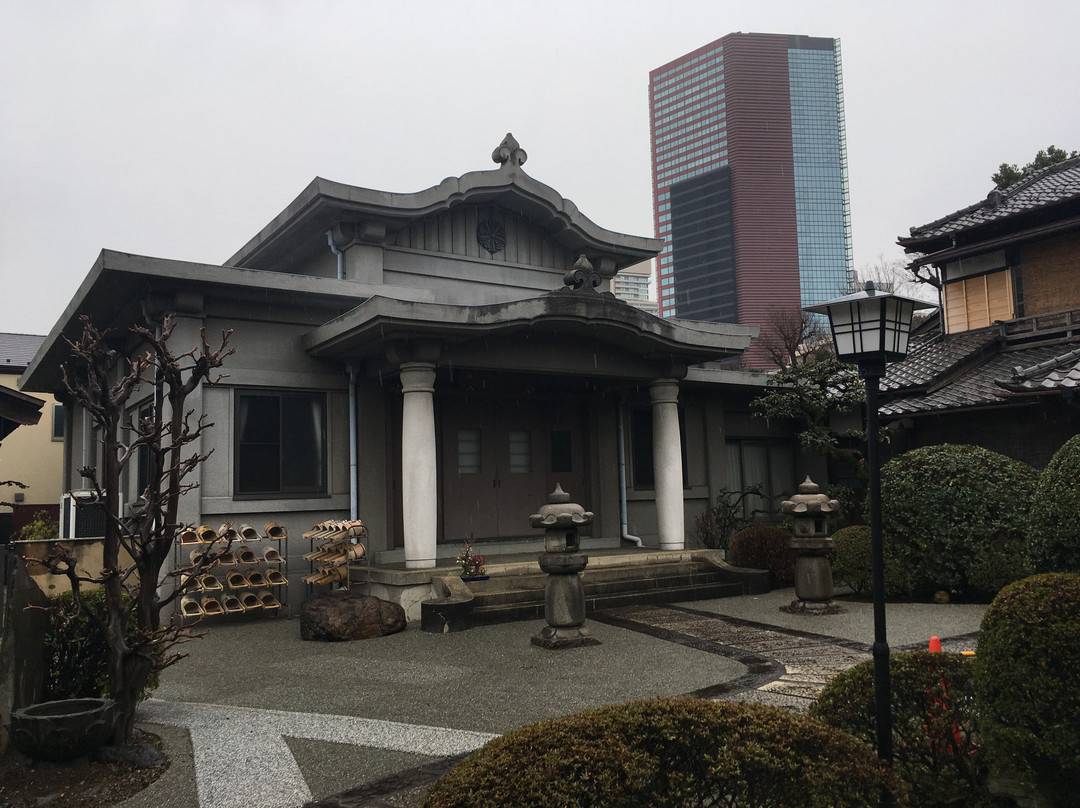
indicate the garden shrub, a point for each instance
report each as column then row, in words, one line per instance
column 851, row 563
column 1027, row 677
column 76, row 654
column 671, row 752
column 1053, row 529
column 956, row 517
column 934, row 714
column 765, row 548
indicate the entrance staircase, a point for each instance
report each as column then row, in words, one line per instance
column 515, row 591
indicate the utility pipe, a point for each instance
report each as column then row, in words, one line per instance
column 623, row 523
column 340, row 255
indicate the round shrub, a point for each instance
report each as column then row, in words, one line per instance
column 763, row 547
column 951, row 511
column 1027, row 677
column 670, row 752
column 933, row 710
column 1053, row 529
column 851, row 563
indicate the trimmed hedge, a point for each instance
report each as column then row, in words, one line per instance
column 1027, row 679
column 671, row 752
column 763, row 547
column 956, row 517
column 851, row 562
column 1053, row 527
column 76, row 654
column 934, row 716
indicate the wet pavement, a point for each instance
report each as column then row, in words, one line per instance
column 255, row 716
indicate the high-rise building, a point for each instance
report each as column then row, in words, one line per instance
column 632, row 285
column 750, row 186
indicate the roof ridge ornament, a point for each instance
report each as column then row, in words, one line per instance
column 582, row 276
column 509, row 152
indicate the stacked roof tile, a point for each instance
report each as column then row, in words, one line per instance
column 1056, row 184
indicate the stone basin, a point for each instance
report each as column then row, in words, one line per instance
column 62, row 730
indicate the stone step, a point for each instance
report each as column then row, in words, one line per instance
column 513, row 611
column 514, row 592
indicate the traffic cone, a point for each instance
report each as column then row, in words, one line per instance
column 935, row 645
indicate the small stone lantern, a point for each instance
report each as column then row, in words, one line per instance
column 813, row 575
column 564, row 596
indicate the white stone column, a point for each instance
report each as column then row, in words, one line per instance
column 419, row 493
column 667, row 463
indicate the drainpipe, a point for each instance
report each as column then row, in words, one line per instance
column 353, row 434
column 340, row 257
column 623, row 532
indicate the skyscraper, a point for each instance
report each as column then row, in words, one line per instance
column 750, row 186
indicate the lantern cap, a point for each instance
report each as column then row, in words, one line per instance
column 869, row 292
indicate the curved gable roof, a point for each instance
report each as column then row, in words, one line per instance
column 324, row 204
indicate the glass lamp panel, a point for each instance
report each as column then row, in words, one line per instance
column 843, row 328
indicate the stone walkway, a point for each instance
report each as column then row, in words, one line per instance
column 245, row 755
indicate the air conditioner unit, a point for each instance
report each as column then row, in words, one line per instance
column 82, row 515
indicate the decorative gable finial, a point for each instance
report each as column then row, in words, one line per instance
column 582, row 277
column 509, row 152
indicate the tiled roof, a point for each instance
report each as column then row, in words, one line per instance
column 1059, row 372
column 979, row 386
column 16, row 351
column 1052, row 185
column 935, row 357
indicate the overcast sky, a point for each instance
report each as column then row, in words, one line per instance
column 179, row 129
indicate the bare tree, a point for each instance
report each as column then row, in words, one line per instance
column 895, row 275
column 101, row 381
column 791, row 336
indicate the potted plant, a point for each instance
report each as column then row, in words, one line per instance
column 472, row 564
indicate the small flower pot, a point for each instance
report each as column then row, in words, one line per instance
column 62, row 730
column 475, row 577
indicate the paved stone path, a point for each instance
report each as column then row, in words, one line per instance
column 242, row 760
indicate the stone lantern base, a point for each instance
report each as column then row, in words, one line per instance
column 813, row 607
column 569, row 637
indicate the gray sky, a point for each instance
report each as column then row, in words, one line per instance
column 179, row 129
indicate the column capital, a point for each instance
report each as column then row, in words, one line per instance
column 664, row 391
column 417, row 377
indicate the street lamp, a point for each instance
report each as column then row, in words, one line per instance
column 870, row 328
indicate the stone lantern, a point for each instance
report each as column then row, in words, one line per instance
column 564, row 596
column 813, row 575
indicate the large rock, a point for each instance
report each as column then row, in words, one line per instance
column 344, row 615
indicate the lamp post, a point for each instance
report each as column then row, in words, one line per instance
column 870, row 328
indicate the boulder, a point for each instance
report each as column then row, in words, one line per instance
column 341, row 614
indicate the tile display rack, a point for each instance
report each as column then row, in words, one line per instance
column 335, row 546
column 246, row 578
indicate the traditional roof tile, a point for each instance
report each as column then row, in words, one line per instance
column 934, row 358
column 979, row 387
column 1055, row 184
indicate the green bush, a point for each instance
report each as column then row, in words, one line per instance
column 76, row 654
column 41, row 528
column 1053, row 529
column 851, row 563
column 765, row 548
column 956, row 517
column 933, row 710
column 670, row 752
column 1027, row 677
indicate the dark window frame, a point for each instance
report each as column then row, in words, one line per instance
column 245, row 453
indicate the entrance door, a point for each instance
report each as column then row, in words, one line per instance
column 501, row 458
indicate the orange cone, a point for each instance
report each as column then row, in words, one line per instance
column 935, row 645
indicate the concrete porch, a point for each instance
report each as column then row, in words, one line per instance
column 514, row 590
